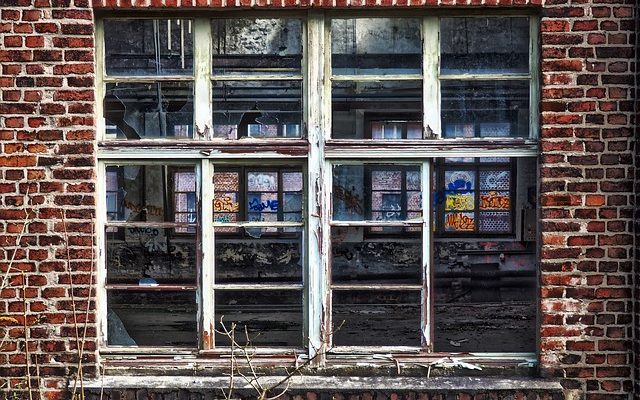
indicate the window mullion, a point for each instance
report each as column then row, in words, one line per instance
column 430, row 84
column 427, row 256
column 208, row 256
column 100, row 89
column 534, row 117
column 202, row 101
column 317, row 200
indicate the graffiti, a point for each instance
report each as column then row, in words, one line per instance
column 145, row 231
column 150, row 210
column 225, row 204
column 224, row 218
column 460, row 185
column 459, row 202
column 494, row 201
column 156, row 245
column 459, row 222
column 351, row 200
column 262, row 182
column 257, row 205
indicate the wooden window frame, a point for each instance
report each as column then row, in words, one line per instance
column 316, row 152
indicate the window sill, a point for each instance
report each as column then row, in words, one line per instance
column 330, row 383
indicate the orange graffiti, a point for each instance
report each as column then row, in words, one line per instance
column 224, row 204
column 459, row 222
column 494, row 201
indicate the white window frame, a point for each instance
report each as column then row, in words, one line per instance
column 317, row 152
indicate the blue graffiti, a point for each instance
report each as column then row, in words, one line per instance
column 257, row 205
column 459, row 186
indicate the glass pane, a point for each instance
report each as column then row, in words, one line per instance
column 485, row 108
column 271, row 318
column 149, row 110
column 484, row 45
column 376, row 318
column 164, row 318
column 486, row 289
column 259, row 109
column 376, row 110
column 266, row 195
column 148, row 47
column 376, row 192
column 150, row 256
column 360, row 258
column 142, row 195
column 259, row 45
column 269, row 255
column 376, row 46
column 495, row 180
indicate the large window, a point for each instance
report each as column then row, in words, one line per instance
column 320, row 183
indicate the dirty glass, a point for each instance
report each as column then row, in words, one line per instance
column 486, row 288
column 148, row 47
column 376, row 46
column 261, row 317
column 263, row 256
column 359, row 259
column 376, row 318
column 141, row 194
column 484, row 45
column 166, row 318
column 376, row 192
column 376, row 110
column 149, row 256
column 149, row 110
column 249, row 194
column 488, row 109
column 258, row 45
column 257, row 109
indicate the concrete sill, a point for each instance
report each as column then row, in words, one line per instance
column 329, row 383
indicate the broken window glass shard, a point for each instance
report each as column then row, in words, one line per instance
column 257, row 109
column 376, row 110
column 149, row 110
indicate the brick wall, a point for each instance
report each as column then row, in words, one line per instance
column 46, row 189
column 47, row 181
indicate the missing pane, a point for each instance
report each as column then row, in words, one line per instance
column 376, row 318
column 151, row 318
column 269, row 317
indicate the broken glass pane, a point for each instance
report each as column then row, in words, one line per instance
column 142, row 195
column 358, row 259
column 149, row 110
column 376, row 46
column 148, row 46
column 271, row 317
column 484, row 45
column 166, row 318
column 376, row 110
column 148, row 256
column 268, row 255
column 376, row 318
column 491, row 109
column 258, row 109
column 257, row 45
column 376, row 192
